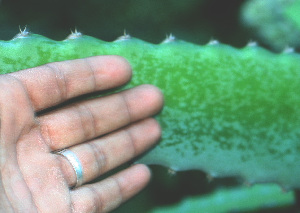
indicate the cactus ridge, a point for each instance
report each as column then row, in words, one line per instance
column 228, row 111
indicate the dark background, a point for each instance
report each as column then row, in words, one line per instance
column 196, row 21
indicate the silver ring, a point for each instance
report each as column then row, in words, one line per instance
column 74, row 161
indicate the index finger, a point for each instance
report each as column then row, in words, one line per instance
column 54, row 83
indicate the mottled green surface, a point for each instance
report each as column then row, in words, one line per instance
column 228, row 111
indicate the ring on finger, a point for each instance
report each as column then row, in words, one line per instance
column 74, row 161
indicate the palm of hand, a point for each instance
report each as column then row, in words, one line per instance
column 34, row 179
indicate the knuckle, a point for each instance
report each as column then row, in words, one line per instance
column 87, row 120
column 59, row 79
column 98, row 158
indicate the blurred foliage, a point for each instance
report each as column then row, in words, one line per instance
column 276, row 23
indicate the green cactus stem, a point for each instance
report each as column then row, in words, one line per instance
column 241, row 199
column 228, row 111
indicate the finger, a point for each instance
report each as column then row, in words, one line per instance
column 110, row 193
column 104, row 154
column 57, row 82
column 92, row 118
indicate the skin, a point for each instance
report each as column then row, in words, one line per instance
column 103, row 132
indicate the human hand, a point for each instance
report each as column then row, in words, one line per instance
column 103, row 133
